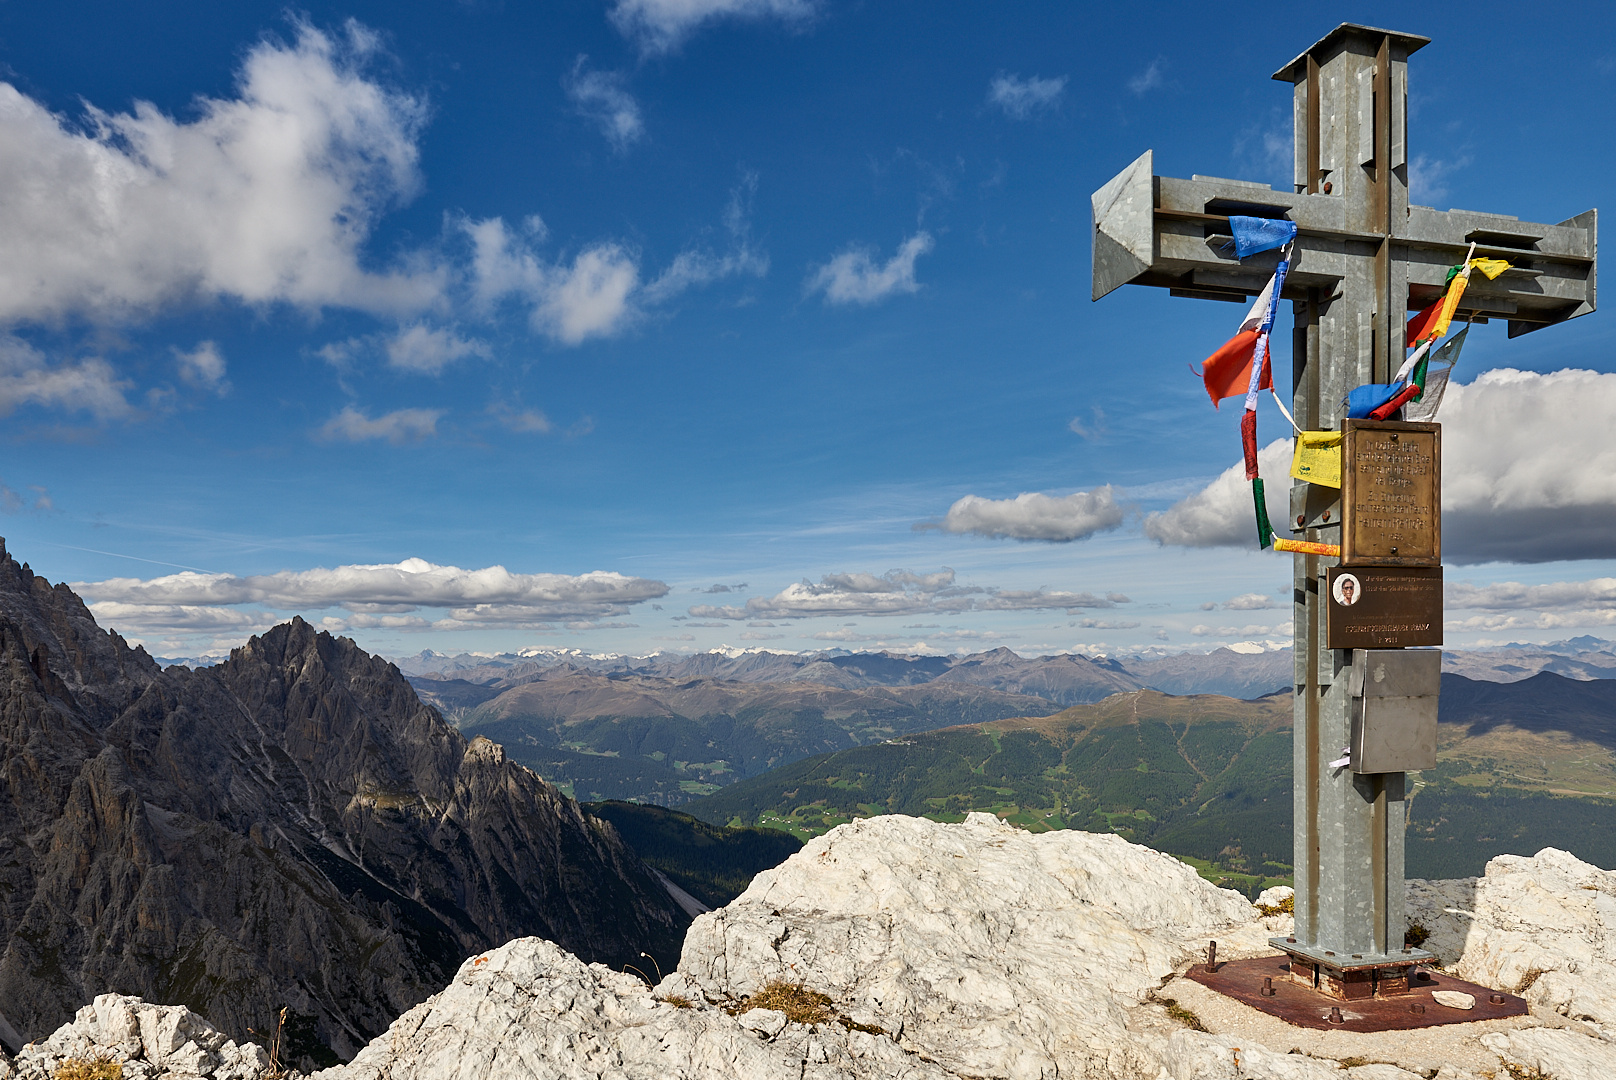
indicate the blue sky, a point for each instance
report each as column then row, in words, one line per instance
column 661, row 324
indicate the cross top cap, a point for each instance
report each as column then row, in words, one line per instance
column 1410, row 43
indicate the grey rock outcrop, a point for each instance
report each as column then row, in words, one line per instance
column 150, row 1042
column 291, row 827
column 951, row 951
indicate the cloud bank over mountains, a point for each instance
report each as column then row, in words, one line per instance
column 373, row 596
column 900, row 592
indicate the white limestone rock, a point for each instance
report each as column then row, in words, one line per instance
column 1454, row 999
column 991, row 950
column 532, row 1011
column 1555, row 1052
column 155, row 1042
column 1543, row 927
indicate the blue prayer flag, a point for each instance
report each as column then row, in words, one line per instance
column 1369, row 397
column 1254, row 234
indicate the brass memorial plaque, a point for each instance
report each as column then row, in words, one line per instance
column 1391, row 494
column 1374, row 607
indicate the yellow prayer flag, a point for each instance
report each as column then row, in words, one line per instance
column 1450, row 303
column 1491, row 267
column 1318, row 458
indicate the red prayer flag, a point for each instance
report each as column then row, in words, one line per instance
column 1227, row 372
column 1248, row 438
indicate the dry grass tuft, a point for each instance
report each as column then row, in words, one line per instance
column 800, row 1004
column 1181, row 1014
column 1415, row 935
column 1286, row 906
column 678, row 1001
column 90, row 1069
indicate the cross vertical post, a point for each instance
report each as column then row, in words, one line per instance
column 1363, row 257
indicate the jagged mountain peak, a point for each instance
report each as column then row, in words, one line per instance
column 291, row 827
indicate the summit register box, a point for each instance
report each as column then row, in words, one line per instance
column 1387, row 592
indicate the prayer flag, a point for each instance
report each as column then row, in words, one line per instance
column 1318, row 458
column 1307, row 547
column 1248, row 439
column 1265, row 531
column 1370, row 396
column 1228, row 371
column 1491, row 267
column 1419, row 327
column 1423, row 410
column 1255, row 234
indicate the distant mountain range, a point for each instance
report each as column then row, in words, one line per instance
column 1521, row 766
column 1245, row 670
column 291, row 827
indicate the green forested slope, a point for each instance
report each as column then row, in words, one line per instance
column 1208, row 779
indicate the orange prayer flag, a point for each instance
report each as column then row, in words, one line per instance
column 1419, row 327
column 1227, row 372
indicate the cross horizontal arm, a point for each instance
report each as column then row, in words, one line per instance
column 1172, row 233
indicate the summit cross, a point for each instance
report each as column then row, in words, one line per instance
column 1363, row 258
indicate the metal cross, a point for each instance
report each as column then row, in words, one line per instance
column 1364, row 257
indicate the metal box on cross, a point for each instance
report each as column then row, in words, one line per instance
column 1363, row 257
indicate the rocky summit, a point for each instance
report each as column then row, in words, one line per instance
column 292, row 827
column 896, row 947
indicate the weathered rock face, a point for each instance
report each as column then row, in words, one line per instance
column 955, row 951
column 292, row 827
column 1543, row 927
column 152, row 1042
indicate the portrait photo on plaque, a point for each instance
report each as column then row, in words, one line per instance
column 1346, row 590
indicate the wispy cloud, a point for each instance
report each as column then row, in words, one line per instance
column 1095, row 427
column 1428, row 177
column 397, row 427
column 854, row 277
column 1149, row 79
column 1022, row 98
column 603, row 97
column 659, row 26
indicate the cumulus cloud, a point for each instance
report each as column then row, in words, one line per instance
column 397, row 427
column 375, row 596
column 1529, row 474
column 571, row 302
column 603, row 97
column 27, row 378
column 1031, row 516
column 427, row 349
column 1022, row 98
column 854, row 277
column 266, row 197
column 1250, row 602
column 203, row 367
column 659, row 26
column 899, row 592
column 1220, row 514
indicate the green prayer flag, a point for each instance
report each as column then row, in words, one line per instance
column 1265, row 531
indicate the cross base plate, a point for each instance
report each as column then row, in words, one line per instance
column 1303, row 1006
